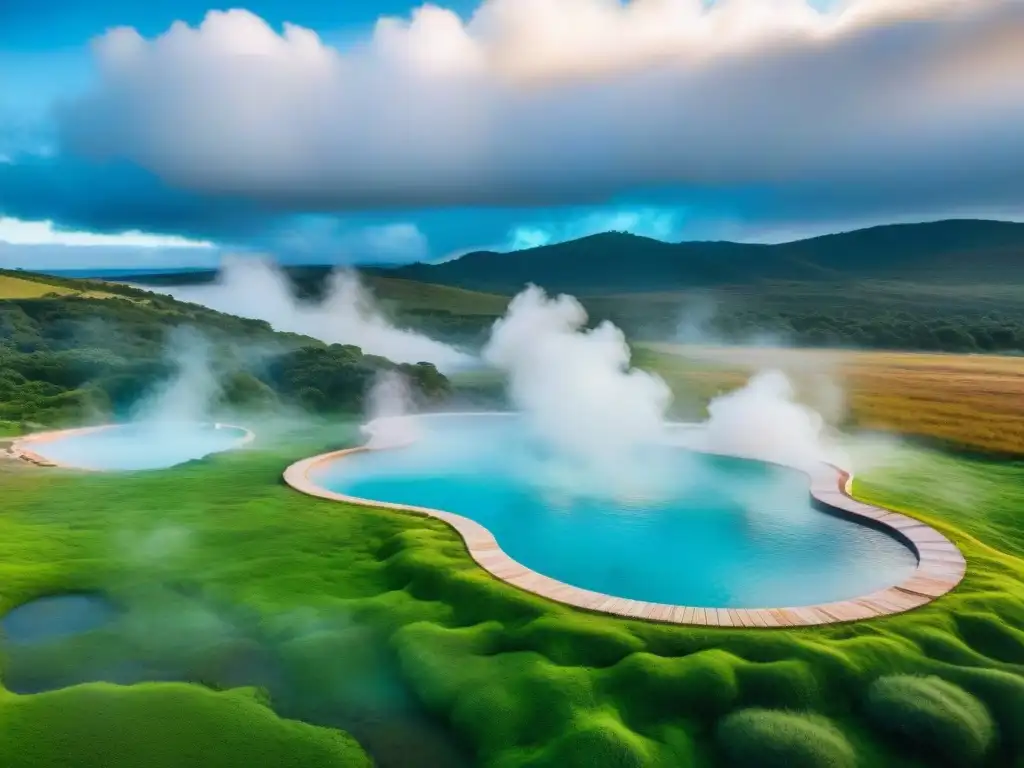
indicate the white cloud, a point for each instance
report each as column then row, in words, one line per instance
column 393, row 242
column 657, row 223
column 325, row 238
column 914, row 101
column 19, row 232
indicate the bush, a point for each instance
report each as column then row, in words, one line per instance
column 775, row 739
column 932, row 717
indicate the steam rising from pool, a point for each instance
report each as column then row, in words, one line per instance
column 598, row 417
column 763, row 420
column 578, row 393
column 189, row 395
column 390, row 408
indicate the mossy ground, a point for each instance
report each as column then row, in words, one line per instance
column 337, row 591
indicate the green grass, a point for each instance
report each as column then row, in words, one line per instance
column 522, row 681
column 161, row 726
column 942, row 721
column 411, row 294
column 774, row 739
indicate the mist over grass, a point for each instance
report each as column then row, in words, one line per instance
column 347, row 314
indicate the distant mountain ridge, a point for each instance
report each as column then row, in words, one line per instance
column 954, row 250
column 616, row 262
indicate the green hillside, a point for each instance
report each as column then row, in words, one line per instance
column 310, row 282
column 75, row 352
column 418, row 296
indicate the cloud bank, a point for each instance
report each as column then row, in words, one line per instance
column 907, row 103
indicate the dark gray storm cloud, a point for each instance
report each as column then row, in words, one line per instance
column 115, row 196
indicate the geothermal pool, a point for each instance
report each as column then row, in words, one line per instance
column 691, row 529
column 138, row 446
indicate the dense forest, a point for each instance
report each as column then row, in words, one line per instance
column 845, row 318
column 64, row 358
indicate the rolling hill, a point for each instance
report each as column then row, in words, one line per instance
column 617, row 263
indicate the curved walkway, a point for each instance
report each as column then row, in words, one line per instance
column 940, row 566
column 21, row 447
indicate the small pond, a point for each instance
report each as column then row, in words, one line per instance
column 56, row 617
column 138, row 446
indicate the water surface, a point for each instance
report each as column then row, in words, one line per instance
column 138, row 446
column 696, row 530
column 56, row 617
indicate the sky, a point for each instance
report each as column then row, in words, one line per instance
column 169, row 133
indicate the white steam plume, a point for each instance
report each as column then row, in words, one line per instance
column 256, row 288
column 575, row 387
column 391, row 412
column 190, row 394
column 763, row 420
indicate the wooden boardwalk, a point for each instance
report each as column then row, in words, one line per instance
column 940, row 565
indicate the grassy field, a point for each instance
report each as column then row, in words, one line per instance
column 972, row 401
column 161, row 725
column 413, row 295
column 375, row 610
column 21, row 288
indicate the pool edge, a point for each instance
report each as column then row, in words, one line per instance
column 940, row 567
column 19, row 449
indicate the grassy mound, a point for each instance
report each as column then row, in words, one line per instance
column 162, row 726
column 932, row 717
column 774, row 739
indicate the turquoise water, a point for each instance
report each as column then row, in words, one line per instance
column 712, row 532
column 139, row 446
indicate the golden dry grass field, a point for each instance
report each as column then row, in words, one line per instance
column 974, row 401
column 20, row 288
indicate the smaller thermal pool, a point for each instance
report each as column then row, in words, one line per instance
column 56, row 617
column 723, row 532
column 155, row 445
